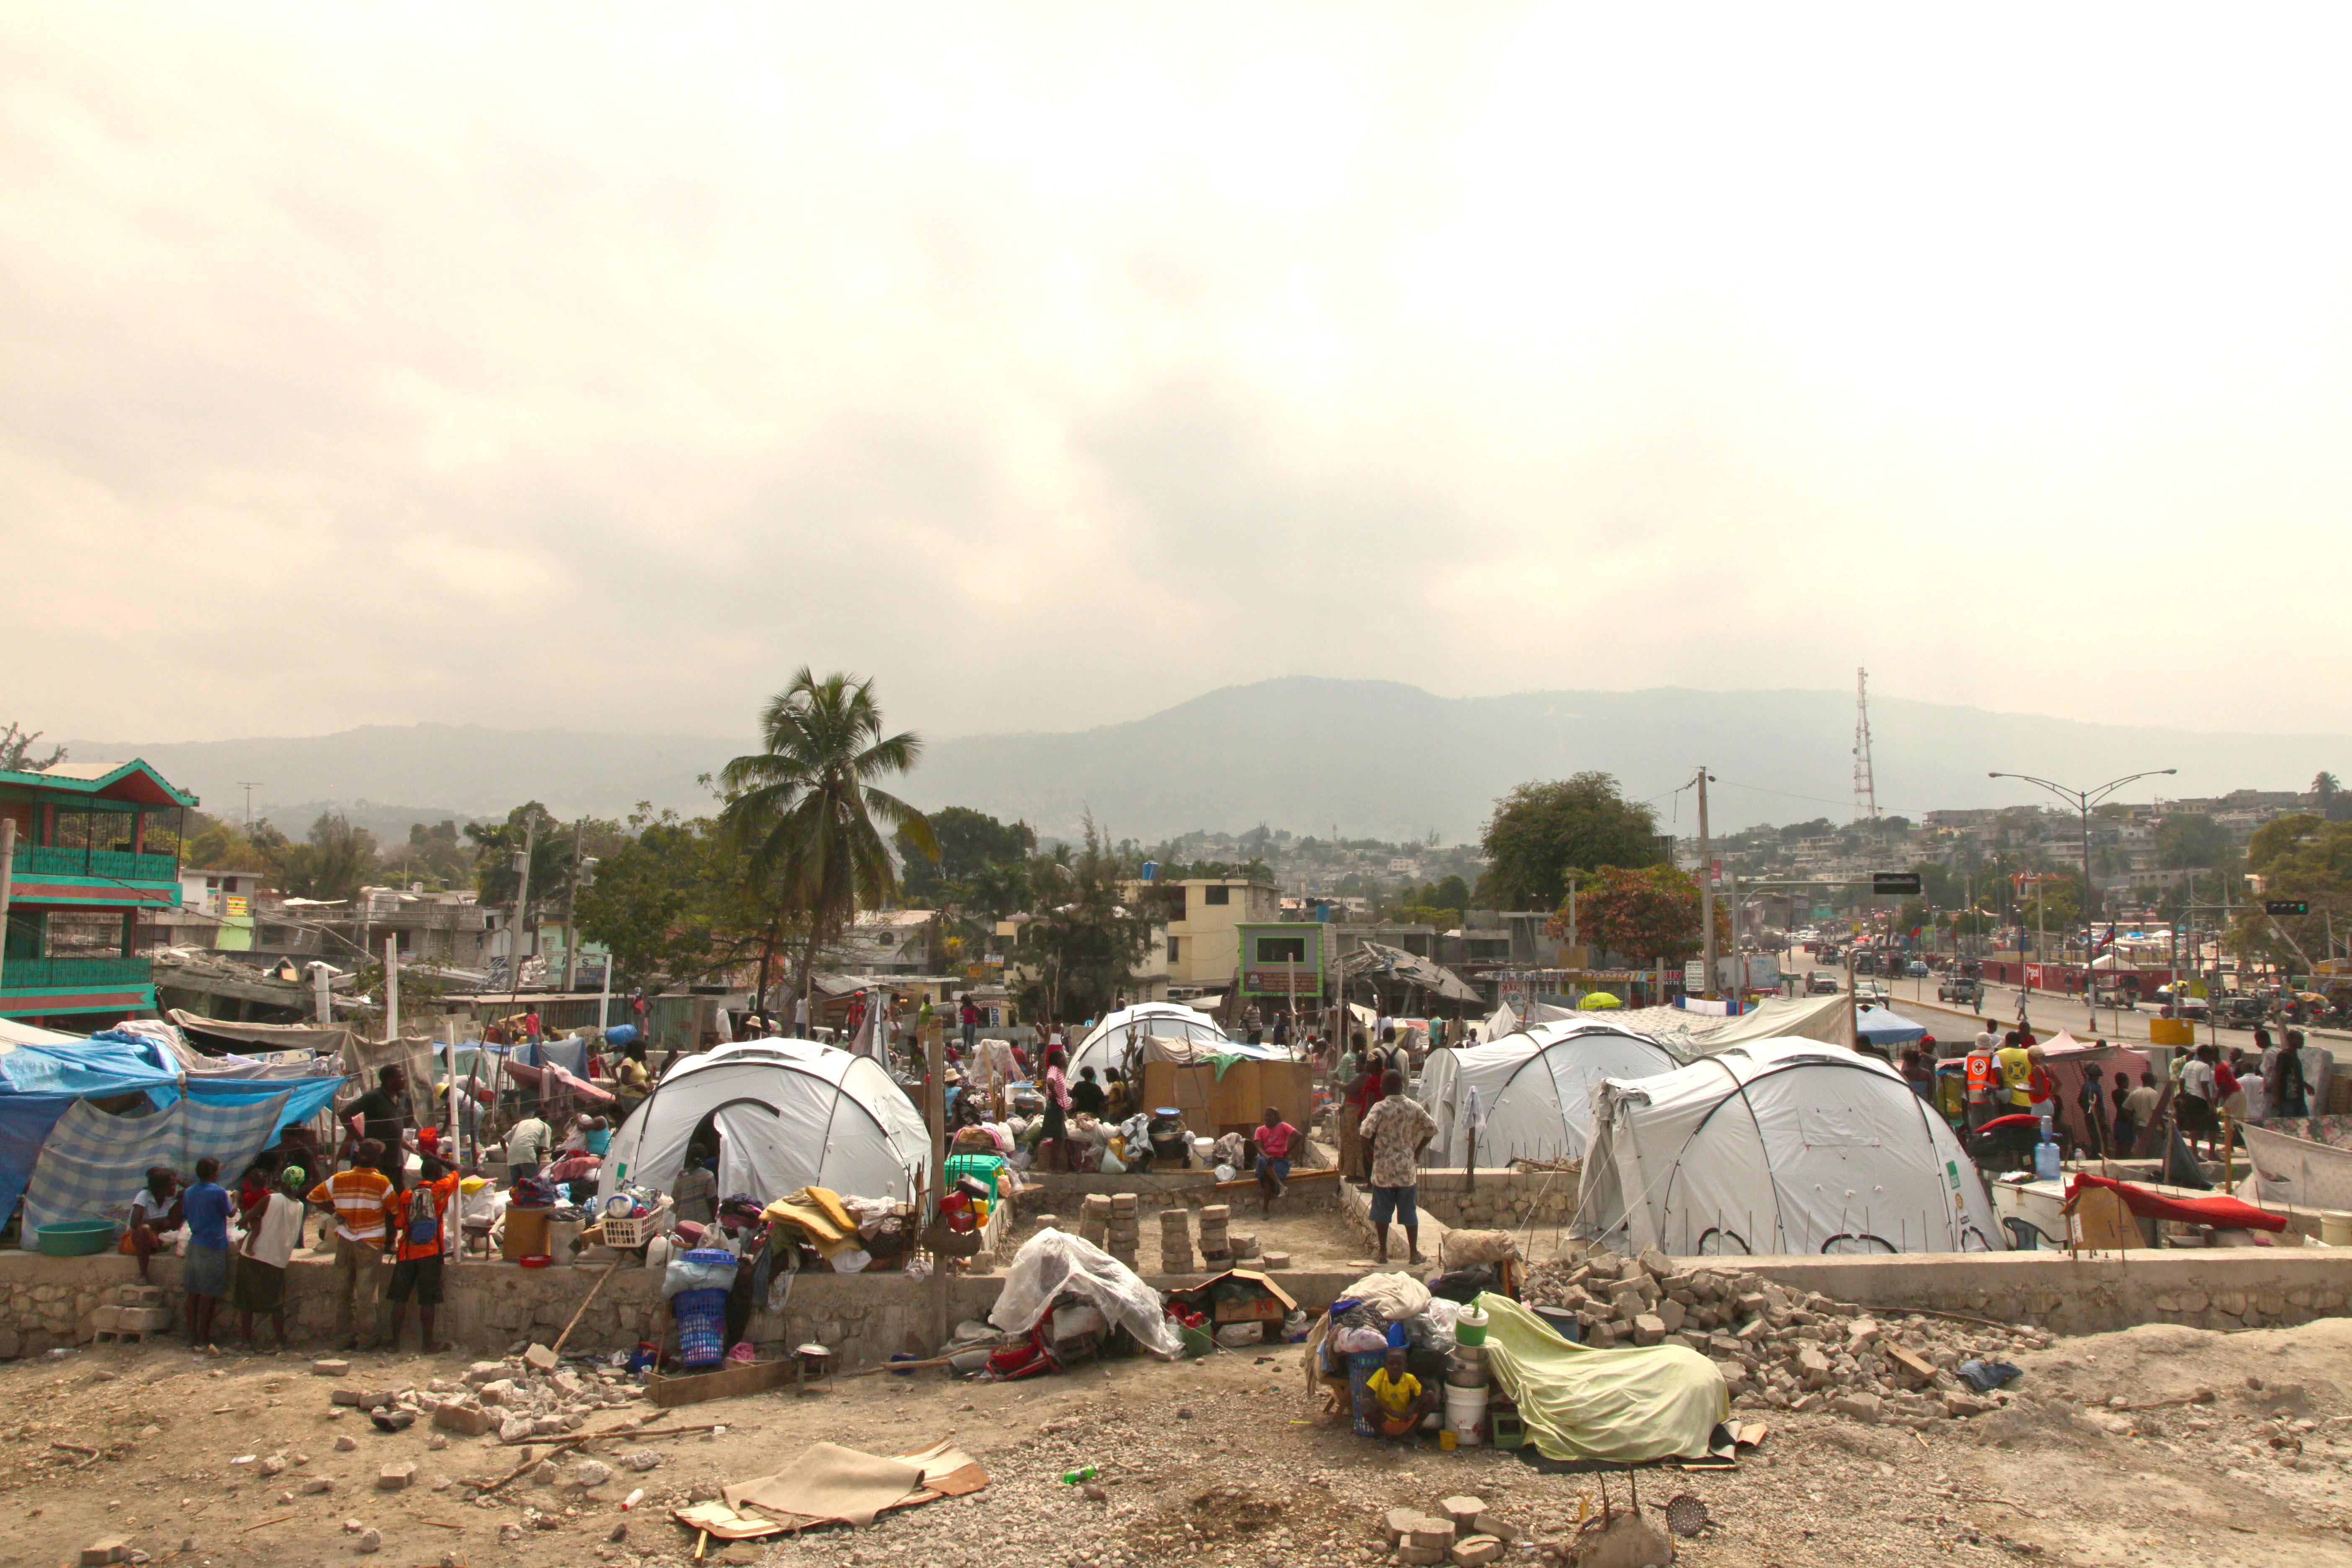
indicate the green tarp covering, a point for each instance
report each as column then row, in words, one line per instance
column 1654, row 1402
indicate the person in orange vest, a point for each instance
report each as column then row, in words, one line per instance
column 1984, row 1080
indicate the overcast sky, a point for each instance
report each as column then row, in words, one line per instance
column 598, row 367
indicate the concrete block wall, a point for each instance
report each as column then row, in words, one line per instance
column 47, row 1302
column 2207, row 1288
column 1500, row 1200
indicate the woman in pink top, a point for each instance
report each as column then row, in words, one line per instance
column 1057, row 1115
column 1272, row 1139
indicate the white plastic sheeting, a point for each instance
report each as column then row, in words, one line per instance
column 1535, row 1088
column 1052, row 1261
column 1107, row 1044
column 790, row 1114
column 1779, row 1146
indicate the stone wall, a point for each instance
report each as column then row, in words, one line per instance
column 1500, row 1200
column 2204, row 1287
column 492, row 1307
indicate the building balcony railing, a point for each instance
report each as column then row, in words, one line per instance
column 117, row 865
column 74, row 974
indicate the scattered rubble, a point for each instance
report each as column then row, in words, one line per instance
column 1780, row 1349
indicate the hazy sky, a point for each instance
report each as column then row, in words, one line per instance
column 599, row 366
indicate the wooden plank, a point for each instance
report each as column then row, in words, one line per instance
column 727, row 1382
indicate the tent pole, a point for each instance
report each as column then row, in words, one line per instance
column 935, row 1111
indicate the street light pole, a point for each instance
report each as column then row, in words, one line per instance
column 2083, row 800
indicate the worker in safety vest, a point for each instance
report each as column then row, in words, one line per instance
column 1984, row 1082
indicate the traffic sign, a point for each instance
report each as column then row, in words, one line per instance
column 2286, row 907
column 1894, row 882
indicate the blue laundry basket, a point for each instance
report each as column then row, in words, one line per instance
column 701, row 1326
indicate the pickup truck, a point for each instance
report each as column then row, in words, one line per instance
column 1961, row 988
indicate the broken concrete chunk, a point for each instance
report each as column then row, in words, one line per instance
column 1649, row 1329
column 1462, row 1510
column 329, row 1368
column 107, row 1549
column 396, row 1477
column 1477, row 1552
column 370, row 1541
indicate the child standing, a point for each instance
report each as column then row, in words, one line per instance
column 203, row 1272
column 273, row 1226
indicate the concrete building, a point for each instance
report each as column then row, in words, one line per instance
column 1200, row 946
column 81, row 877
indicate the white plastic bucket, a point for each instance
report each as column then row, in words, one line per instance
column 2335, row 1229
column 1465, row 1412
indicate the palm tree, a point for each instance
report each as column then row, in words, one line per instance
column 805, row 806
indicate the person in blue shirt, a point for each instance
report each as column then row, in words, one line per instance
column 204, row 1273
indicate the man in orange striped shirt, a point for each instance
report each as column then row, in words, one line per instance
column 359, row 1198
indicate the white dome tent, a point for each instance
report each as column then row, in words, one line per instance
column 1534, row 1089
column 1779, row 1146
column 790, row 1114
column 1106, row 1046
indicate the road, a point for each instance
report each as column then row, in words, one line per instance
column 1915, row 998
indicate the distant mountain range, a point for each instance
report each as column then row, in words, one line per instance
column 1376, row 759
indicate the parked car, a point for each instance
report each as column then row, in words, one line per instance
column 1823, row 982
column 1960, row 988
column 2122, row 996
column 1870, row 991
column 1917, row 968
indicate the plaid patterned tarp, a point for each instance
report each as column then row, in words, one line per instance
column 93, row 1164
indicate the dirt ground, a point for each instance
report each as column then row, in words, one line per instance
column 1219, row 1462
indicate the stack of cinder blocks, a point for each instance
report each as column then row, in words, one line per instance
column 1215, row 1246
column 1094, row 1219
column 1176, row 1241
column 137, row 1312
column 1119, row 1238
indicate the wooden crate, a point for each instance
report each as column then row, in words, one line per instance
column 726, row 1383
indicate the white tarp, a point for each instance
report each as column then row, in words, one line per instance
column 790, row 1114
column 1106, row 1046
column 1779, row 1146
column 2296, row 1171
column 1534, row 1089
column 1052, row 1262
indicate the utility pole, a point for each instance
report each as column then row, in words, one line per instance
column 1706, row 884
column 250, row 786
column 571, row 903
column 391, row 989
column 522, row 908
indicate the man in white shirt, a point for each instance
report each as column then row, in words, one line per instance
column 997, row 1071
column 527, row 1143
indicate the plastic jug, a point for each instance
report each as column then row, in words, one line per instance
column 2045, row 1160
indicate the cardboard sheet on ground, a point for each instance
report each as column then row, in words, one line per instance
column 828, row 1484
column 1655, row 1402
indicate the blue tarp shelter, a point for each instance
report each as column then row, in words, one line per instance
column 1883, row 1026
column 41, row 1079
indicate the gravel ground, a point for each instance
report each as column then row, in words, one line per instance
column 1222, row 1461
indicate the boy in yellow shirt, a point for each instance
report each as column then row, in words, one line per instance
column 1402, row 1401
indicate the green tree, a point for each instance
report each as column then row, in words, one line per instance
column 438, row 856
column 1644, row 914
column 1539, row 830
column 2328, row 796
column 968, row 843
column 213, row 845
column 1088, row 938
column 17, row 753
column 334, row 862
column 805, row 806
column 2190, row 841
column 673, row 902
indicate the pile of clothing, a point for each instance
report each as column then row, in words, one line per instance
column 842, row 1234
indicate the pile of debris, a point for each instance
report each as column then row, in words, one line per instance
column 1462, row 1530
column 1778, row 1348
column 516, row 1399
